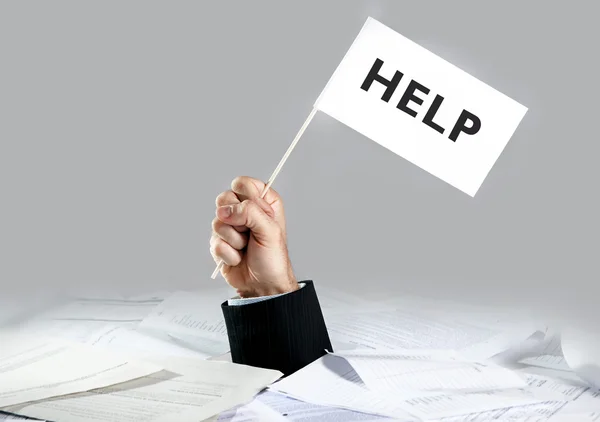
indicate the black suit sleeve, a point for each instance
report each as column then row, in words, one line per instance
column 284, row 333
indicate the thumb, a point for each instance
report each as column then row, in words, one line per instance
column 255, row 214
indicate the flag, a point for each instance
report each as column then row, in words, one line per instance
column 421, row 107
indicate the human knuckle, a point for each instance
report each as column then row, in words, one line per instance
column 224, row 198
column 238, row 183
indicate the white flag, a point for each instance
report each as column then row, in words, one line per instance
column 421, row 107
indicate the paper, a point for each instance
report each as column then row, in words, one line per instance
column 446, row 405
column 204, row 389
column 79, row 331
column 551, row 356
column 128, row 341
column 275, row 407
column 113, row 310
column 9, row 417
column 121, row 339
column 421, row 107
column 391, row 330
column 581, row 348
column 530, row 413
column 564, row 402
column 192, row 320
column 338, row 386
column 409, row 373
column 38, row 368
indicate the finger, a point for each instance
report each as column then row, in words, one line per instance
column 229, row 234
column 222, row 251
column 230, row 198
column 227, row 198
column 253, row 214
column 249, row 188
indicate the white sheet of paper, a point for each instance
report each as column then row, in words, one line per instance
column 392, row 330
column 413, row 373
column 7, row 417
column 108, row 310
column 338, row 386
column 448, row 405
column 463, row 161
column 78, row 331
column 565, row 402
column 192, row 319
column 34, row 368
column 269, row 406
column 551, row 355
column 128, row 341
column 530, row 413
column 255, row 411
column 204, row 389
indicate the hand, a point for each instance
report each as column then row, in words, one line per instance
column 249, row 236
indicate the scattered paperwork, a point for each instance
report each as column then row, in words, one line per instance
column 105, row 359
column 34, row 368
column 189, row 390
column 339, row 385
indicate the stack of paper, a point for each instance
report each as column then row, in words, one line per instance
column 187, row 390
column 89, row 360
column 38, row 368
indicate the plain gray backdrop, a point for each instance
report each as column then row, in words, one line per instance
column 120, row 122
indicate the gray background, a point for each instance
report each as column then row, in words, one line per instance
column 121, row 121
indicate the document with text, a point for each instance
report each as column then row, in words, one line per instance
column 412, row 373
column 188, row 390
column 339, row 386
column 551, row 355
column 389, row 330
column 191, row 319
column 34, row 368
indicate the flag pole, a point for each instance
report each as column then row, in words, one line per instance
column 276, row 171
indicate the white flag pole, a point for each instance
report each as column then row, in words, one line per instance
column 276, row 172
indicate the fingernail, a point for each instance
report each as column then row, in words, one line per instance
column 225, row 211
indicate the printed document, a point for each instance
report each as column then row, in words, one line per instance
column 390, row 330
column 564, row 403
column 191, row 319
column 9, row 417
column 338, row 386
column 189, row 390
column 411, row 373
column 550, row 357
column 34, row 368
column 126, row 311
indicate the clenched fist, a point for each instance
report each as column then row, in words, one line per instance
column 249, row 236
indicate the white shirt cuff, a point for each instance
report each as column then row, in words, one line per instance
column 238, row 301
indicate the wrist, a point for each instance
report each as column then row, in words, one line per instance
column 281, row 286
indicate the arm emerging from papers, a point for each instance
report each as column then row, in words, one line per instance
column 286, row 331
